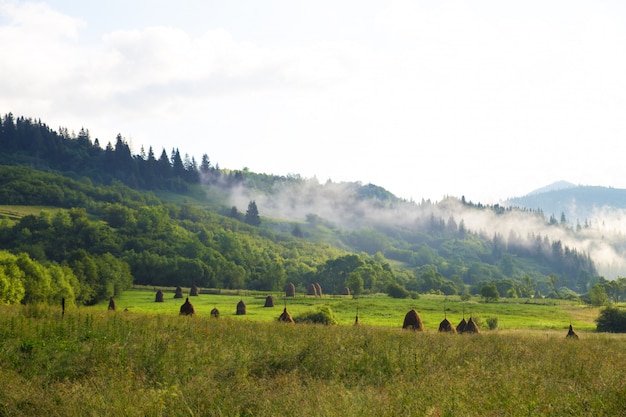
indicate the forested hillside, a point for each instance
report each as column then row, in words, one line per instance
column 112, row 219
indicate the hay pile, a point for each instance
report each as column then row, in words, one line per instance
column 446, row 327
column 312, row 290
column 471, row 327
column 241, row 308
column 461, row 327
column 215, row 313
column 318, row 288
column 187, row 309
column 413, row 321
column 290, row 290
column 178, row 293
column 571, row 333
column 285, row 317
column 159, row 297
column 269, row 301
column 346, row 291
column 193, row 292
column 112, row 306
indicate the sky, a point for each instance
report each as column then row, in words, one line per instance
column 482, row 99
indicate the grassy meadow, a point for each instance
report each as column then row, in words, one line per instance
column 149, row 361
column 375, row 310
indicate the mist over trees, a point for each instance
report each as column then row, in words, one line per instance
column 108, row 229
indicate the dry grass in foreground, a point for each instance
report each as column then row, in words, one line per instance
column 126, row 364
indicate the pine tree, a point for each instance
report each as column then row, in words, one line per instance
column 164, row 165
column 252, row 214
column 205, row 165
column 177, row 164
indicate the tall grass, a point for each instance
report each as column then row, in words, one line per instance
column 132, row 364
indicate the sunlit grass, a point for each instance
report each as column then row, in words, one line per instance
column 14, row 213
column 376, row 310
column 96, row 362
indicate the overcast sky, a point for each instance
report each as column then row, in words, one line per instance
column 486, row 99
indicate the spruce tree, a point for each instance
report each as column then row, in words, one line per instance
column 252, row 214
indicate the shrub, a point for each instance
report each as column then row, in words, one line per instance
column 396, row 290
column 492, row 323
column 321, row 315
column 611, row 319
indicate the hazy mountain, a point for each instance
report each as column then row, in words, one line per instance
column 555, row 186
column 579, row 203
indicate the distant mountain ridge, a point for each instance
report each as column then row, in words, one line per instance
column 555, row 186
column 577, row 202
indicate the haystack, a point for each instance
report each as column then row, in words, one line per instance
column 193, row 292
column 285, row 317
column 112, row 305
column 461, row 327
column 269, row 301
column 446, row 326
column 413, row 321
column 346, row 291
column 241, row 308
column 571, row 333
column 187, row 309
column 290, row 290
column 215, row 313
column 318, row 288
column 312, row 290
column 178, row 293
column 159, row 297
column 471, row 327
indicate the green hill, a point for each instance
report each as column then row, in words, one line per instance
column 117, row 219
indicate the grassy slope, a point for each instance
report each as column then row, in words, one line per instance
column 17, row 212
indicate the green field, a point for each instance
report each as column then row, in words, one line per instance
column 376, row 310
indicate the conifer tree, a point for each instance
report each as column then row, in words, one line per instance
column 252, row 214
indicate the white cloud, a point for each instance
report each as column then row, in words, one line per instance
column 412, row 88
column 39, row 45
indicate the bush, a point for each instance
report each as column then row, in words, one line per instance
column 492, row 323
column 612, row 320
column 397, row 291
column 322, row 315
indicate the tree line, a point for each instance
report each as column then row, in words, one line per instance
column 27, row 141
